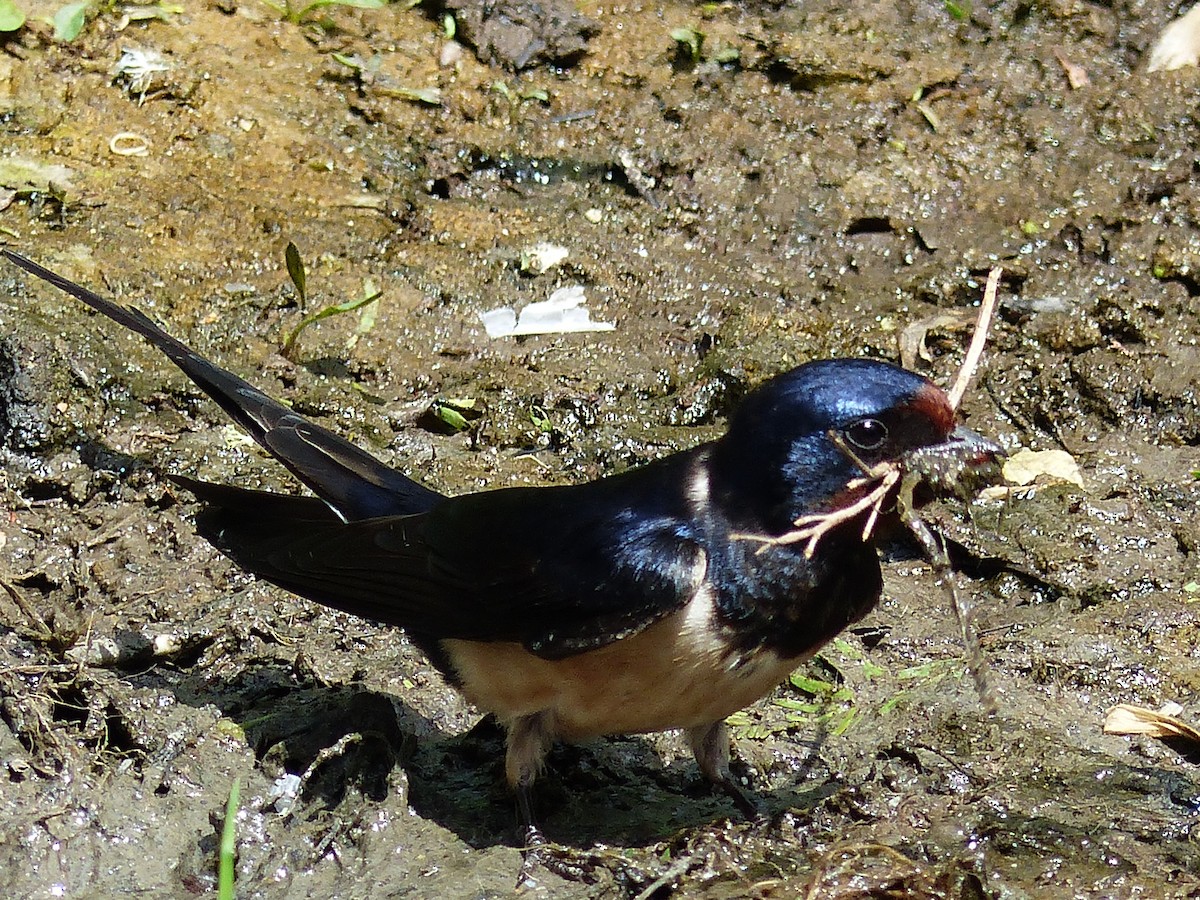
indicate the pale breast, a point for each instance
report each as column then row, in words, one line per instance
column 678, row 673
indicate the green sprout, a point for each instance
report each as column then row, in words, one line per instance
column 822, row 698
column 690, row 41
column 923, row 107
column 541, row 419
column 430, row 95
column 228, row 848
column 295, row 268
column 11, row 16
column 162, row 11
column 832, row 706
column 298, row 13
column 370, row 67
column 922, row 675
column 516, row 98
column 727, row 55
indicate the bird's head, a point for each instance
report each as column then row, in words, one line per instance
column 806, row 442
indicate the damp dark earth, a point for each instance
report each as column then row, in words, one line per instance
column 737, row 188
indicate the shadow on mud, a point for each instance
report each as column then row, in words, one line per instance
column 343, row 741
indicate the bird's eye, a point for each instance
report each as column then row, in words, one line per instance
column 867, row 434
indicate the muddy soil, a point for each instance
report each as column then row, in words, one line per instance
column 806, row 180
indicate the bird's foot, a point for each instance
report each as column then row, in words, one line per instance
column 541, row 854
column 748, row 805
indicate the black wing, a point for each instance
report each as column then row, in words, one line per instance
column 560, row 570
column 351, row 481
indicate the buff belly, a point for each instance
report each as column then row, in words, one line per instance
column 678, row 673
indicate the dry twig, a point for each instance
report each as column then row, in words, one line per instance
column 983, row 324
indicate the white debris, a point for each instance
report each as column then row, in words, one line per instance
column 284, row 793
column 542, row 257
column 451, row 54
column 562, row 313
column 1179, row 43
column 139, row 68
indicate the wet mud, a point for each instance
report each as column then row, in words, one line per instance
column 741, row 188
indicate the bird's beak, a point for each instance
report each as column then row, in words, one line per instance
column 968, row 443
column 962, row 464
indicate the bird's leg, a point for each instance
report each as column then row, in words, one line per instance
column 710, row 746
column 529, row 740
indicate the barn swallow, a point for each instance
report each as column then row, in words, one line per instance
column 665, row 597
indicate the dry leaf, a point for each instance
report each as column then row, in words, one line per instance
column 1127, row 719
column 912, row 338
column 1178, row 45
column 1026, row 466
column 1077, row 75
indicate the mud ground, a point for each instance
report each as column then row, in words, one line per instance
column 852, row 170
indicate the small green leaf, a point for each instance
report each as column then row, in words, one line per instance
column 844, row 647
column 451, row 416
column 872, row 670
column 295, row 269
column 68, row 21
column 794, row 705
column 11, row 18
column 449, row 26
column 161, row 11
column 842, row 721
column 456, row 413
column 813, row 686
column 924, row 670
column 349, row 60
column 367, row 320
column 430, row 95
column 959, row 11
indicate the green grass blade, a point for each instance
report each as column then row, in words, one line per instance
column 226, row 853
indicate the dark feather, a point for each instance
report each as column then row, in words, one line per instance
column 574, row 571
